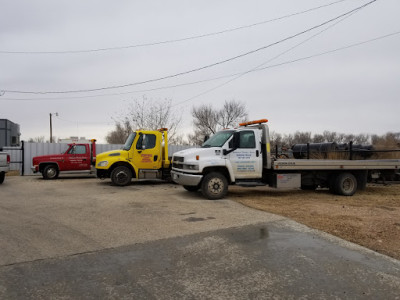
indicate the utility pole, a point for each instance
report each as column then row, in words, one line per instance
column 51, row 126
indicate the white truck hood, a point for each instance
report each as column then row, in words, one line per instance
column 190, row 154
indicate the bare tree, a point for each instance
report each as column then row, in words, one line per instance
column 146, row 114
column 388, row 140
column 37, row 139
column 205, row 119
column 120, row 133
column 318, row 138
column 208, row 120
column 302, row 137
column 231, row 114
column 330, row 136
column 276, row 139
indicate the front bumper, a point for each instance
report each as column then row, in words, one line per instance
column 186, row 179
column 35, row 169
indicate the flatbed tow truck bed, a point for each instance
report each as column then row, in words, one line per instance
column 319, row 164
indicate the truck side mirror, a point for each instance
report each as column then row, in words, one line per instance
column 143, row 146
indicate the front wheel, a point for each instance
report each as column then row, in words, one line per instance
column 214, row 186
column 50, row 172
column 121, row 176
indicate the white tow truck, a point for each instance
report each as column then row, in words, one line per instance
column 242, row 156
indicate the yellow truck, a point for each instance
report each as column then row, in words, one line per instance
column 144, row 156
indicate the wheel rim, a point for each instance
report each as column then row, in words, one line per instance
column 348, row 185
column 215, row 186
column 51, row 172
column 121, row 177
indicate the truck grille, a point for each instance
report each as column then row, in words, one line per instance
column 177, row 162
column 176, row 165
column 178, row 159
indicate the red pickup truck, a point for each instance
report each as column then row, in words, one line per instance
column 78, row 158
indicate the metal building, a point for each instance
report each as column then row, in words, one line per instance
column 9, row 133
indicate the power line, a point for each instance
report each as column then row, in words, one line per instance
column 258, row 67
column 174, row 40
column 214, row 78
column 196, row 69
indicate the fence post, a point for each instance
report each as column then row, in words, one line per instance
column 351, row 150
column 23, row 158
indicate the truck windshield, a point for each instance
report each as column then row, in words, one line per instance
column 129, row 141
column 218, row 139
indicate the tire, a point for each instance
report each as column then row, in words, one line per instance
column 345, row 184
column 191, row 188
column 2, row 175
column 214, row 186
column 121, row 176
column 50, row 172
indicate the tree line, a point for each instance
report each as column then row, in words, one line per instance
column 207, row 120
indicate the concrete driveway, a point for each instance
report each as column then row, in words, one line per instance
column 85, row 239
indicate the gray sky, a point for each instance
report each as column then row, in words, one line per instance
column 355, row 90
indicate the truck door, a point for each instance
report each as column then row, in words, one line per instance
column 147, row 152
column 246, row 160
column 77, row 158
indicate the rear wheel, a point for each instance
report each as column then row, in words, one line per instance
column 121, row 176
column 345, row 184
column 2, row 175
column 50, row 172
column 214, row 186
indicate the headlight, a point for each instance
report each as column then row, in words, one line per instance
column 191, row 167
column 102, row 163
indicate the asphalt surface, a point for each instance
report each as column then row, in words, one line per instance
column 85, row 239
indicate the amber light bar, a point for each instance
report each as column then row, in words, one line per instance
column 253, row 122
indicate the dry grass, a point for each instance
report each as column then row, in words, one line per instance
column 330, row 155
column 387, row 144
column 12, row 173
column 370, row 218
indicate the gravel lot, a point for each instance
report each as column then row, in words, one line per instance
column 42, row 219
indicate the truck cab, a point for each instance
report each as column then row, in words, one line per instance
column 230, row 156
column 143, row 156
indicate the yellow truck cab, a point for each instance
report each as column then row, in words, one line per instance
column 144, row 156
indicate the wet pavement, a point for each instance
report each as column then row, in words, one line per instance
column 278, row 260
column 82, row 238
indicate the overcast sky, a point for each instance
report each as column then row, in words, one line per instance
column 354, row 90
